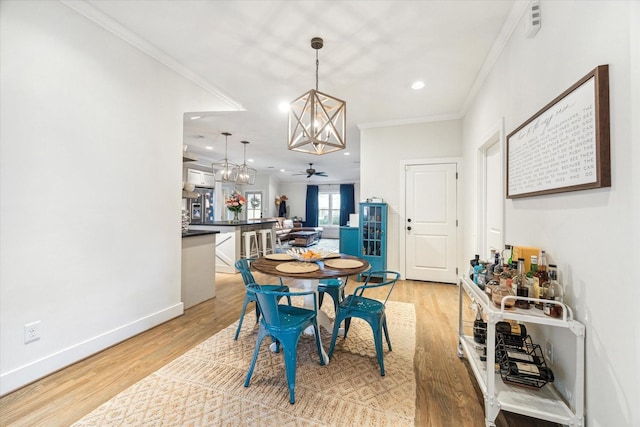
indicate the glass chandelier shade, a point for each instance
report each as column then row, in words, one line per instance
column 225, row 170
column 317, row 121
column 244, row 174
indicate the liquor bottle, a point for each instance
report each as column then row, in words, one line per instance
column 554, row 293
column 534, row 266
column 479, row 328
column 540, row 278
column 521, row 288
column 506, row 260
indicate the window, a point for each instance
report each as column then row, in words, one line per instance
column 329, row 208
column 254, row 204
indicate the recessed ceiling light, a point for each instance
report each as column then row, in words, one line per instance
column 208, row 147
column 250, row 160
column 282, row 170
column 347, row 154
column 284, row 107
column 417, row 85
column 194, row 117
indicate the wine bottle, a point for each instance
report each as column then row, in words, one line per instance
column 528, row 371
column 521, row 289
column 512, row 334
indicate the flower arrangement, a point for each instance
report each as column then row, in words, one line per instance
column 235, row 202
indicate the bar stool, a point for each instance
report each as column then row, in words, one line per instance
column 251, row 249
column 266, row 241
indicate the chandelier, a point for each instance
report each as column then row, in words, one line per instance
column 243, row 173
column 224, row 170
column 317, row 121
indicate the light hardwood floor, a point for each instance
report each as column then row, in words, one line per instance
column 446, row 391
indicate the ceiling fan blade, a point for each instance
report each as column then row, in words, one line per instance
column 322, row 174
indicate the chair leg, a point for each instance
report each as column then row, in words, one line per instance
column 244, row 308
column 290, row 356
column 334, row 335
column 386, row 331
column 316, row 330
column 261, row 334
column 377, row 337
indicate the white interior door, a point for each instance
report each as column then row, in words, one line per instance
column 494, row 195
column 431, row 222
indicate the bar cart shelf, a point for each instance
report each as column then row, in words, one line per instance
column 545, row 403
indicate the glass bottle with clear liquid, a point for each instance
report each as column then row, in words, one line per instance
column 554, row 292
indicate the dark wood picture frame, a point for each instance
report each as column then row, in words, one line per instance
column 565, row 146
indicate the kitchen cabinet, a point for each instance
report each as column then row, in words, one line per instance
column 545, row 403
column 201, row 178
column 372, row 237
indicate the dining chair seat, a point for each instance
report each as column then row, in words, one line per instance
column 285, row 324
column 370, row 310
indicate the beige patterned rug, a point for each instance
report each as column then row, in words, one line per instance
column 205, row 386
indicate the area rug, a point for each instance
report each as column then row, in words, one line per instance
column 205, row 386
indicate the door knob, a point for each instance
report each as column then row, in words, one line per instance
column 409, row 228
column 409, row 220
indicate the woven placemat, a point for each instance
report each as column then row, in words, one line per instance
column 297, row 267
column 279, row 257
column 343, row 263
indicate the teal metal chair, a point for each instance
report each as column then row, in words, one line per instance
column 285, row 324
column 244, row 267
column 370, row 310
column 333, row 287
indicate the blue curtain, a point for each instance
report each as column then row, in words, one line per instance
column 347, row 202
column 311, row 214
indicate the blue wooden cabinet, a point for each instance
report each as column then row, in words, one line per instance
column 349, row 243
column 373, row 235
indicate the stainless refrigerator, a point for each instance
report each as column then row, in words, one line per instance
column 201, row 208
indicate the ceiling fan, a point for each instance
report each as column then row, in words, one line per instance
column 311, row 171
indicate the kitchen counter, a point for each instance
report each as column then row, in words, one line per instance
column 198, row 266
column 191, row 233
column 229, row 242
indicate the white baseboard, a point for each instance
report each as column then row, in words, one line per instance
column 19, row 377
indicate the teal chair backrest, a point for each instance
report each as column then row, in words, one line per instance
column 389, row 278
column 244, row 267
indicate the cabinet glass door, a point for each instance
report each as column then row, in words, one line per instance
column 372, row 231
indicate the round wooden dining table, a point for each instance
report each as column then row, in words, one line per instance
column 308, row 280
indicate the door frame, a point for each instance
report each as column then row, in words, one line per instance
column 402, row 209
column 495, row 135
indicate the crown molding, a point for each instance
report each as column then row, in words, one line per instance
column 412, row 121
column 108, row 23
column 499, row 44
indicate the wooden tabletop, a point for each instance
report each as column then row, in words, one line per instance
column 268, row 266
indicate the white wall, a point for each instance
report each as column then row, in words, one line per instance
column 590, row 234
column 384, row 149
column 90, row 188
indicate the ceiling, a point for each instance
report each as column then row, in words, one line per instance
column 258, row 54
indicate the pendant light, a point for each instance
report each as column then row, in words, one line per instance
column 244, row 174
column 317, row 121
column 224, row 170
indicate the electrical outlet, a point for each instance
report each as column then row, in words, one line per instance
column 548, row 351
column 31, row 332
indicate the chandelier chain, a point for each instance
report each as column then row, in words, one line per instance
column 317, row 66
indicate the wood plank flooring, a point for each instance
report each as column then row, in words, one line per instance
column 446, row 391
